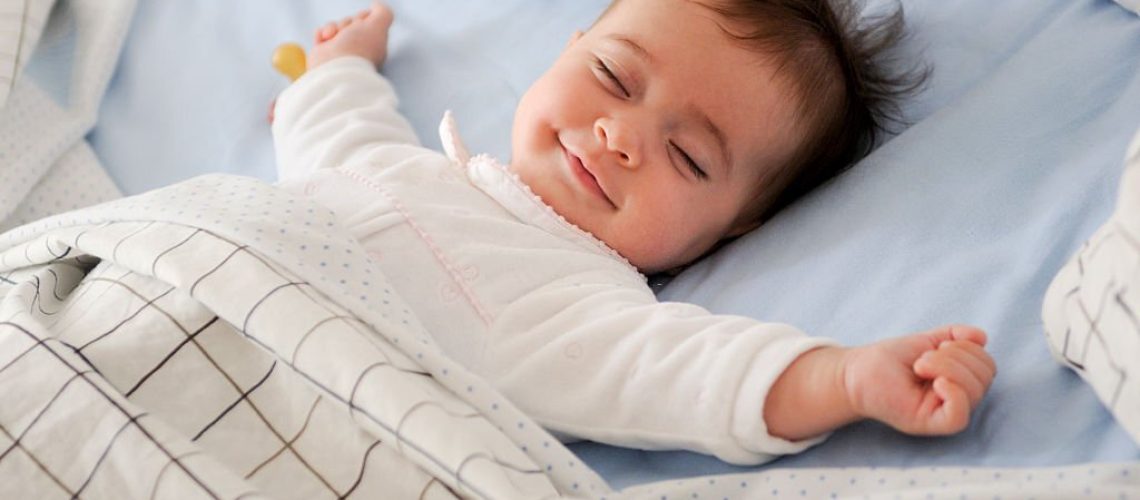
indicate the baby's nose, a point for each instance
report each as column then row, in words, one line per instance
column 619, row 139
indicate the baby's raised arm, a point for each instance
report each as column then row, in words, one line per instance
column 364, row 35
column 341, row 107
column 924, row 384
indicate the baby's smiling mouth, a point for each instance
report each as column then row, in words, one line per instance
column 585, row 176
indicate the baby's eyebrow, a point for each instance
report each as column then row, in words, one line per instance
column 721, row 140
column 635, row 47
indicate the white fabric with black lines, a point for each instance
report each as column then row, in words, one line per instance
column 308, row 380
column 131, row 366
column 1091, row 311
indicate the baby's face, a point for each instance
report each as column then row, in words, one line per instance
column 653, row 130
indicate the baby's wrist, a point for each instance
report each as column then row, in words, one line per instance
column 847, row 383
column 845, row 401
column 811, row 397
column 342, row 60
column 321, row 58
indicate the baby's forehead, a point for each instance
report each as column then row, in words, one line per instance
column 663, row 26
column 743, row 88
column 681, row 11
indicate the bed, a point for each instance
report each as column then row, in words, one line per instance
column 1012, row 162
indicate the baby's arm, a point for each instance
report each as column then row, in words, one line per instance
column 594, row 358
column 341, row 107
column 925, row 384
column 598, row 359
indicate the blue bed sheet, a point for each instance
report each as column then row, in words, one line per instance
column 1012, row 160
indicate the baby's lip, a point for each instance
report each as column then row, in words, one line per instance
column 583, row 172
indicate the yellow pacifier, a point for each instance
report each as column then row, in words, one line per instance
column 289, row 60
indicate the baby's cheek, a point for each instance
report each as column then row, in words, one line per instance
column 654, row 249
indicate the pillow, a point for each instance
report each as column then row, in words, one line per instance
column 1092, row 308
column 21, row 24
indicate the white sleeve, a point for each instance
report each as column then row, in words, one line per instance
column 611, row 364
column 333, row 114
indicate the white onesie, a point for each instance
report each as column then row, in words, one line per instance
column 555, row 319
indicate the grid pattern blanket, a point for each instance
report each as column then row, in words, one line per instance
column 221, row 338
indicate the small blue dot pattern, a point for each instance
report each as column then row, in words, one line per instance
column 224, row 230
column 240, row 214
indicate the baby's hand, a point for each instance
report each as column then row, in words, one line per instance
column 364, row 35
column 925, row 383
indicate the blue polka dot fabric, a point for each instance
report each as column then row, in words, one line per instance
column 288, row 278
column 1099, row 481
column 49, row 105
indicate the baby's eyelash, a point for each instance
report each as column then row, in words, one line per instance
column 604, row 68
column 697, row 170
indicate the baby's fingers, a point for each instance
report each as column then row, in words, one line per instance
column 380, row 14
column 326, row 32
column 977, row 359
column 970, row 333
column 955, row 361
column 954, row 413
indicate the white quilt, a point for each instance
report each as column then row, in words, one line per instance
column 190, row 343
column 180, row 343
column 1091, row 311
column 21, row 24
column 46, row 166
column 221, row 338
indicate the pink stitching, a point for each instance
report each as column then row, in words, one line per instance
column 553, row 214
column 455, row 276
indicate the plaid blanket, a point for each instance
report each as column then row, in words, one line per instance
column 1091, row 311
column 221, row 338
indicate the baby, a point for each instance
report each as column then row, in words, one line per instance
column 666, row 128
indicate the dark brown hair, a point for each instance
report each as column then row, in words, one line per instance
column 843, row 73
column 842, row 70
